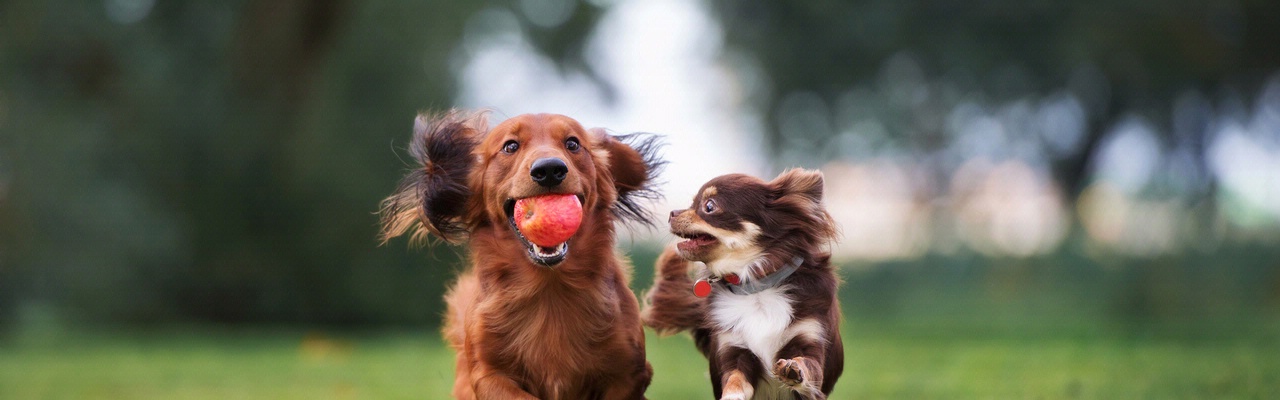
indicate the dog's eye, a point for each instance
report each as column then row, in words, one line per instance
column 572, row 144
column 709, row 206
column 510, row 147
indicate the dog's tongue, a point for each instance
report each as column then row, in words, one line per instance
column 548, row 220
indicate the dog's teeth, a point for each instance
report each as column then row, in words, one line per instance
column 551, row 251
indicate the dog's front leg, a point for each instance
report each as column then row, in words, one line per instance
column 494, row 385
column 799, row 366
column 740, row 369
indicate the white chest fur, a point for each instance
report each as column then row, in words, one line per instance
column 756, row 322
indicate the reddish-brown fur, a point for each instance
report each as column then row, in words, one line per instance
column 792, row 224
column 522, row 330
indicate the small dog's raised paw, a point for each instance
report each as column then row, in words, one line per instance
column 790, row 372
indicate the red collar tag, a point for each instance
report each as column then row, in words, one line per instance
column 733, row 279
column 702, row 288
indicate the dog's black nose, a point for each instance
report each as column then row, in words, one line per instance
column 549, row 171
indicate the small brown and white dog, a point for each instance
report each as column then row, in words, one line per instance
column 764, row 311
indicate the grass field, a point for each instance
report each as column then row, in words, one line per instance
column 883, row 363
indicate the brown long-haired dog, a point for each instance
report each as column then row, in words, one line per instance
column 769, row 325
column 528, row 321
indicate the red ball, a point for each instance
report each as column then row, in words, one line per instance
column 548, row 220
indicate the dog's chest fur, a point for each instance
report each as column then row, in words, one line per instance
column 556, row 328
column 758, row 322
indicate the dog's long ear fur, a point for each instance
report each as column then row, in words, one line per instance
column 798, row 192
column 634, row 165
column 432, row 198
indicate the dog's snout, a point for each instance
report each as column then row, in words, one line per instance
column 549, row 171
column 675, row 216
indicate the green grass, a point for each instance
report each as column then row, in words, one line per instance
column 883, row 363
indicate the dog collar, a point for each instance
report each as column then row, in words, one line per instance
column 702, row 288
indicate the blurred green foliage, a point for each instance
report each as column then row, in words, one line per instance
column 221, row 161
column 1117, row 57
column 1188, row 296
column 217, row 161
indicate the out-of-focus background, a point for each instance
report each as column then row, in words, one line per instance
column 1037, row 199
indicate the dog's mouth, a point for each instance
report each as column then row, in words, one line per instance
column 541, row 255
column 694, row 240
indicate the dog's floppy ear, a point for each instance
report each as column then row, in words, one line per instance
column 806, row 184
column 634, row 166
column 433, row 197
column 799, row 192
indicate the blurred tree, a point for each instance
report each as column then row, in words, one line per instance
column 215, row 161
column 1118, row 57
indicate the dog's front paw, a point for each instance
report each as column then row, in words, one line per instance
column 790, row 372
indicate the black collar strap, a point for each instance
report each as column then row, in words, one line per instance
column 754, row 286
